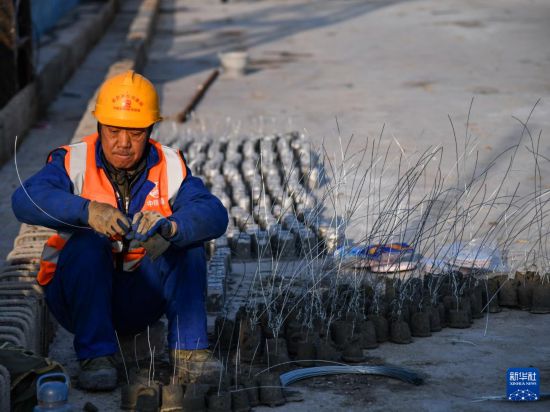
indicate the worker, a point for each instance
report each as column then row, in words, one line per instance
column 110, row 197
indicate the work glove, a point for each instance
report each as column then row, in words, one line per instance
column 145, row 224
column 106, row 219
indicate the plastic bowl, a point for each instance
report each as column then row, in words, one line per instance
column 234, row 62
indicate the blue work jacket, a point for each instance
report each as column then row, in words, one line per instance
column 200, row 216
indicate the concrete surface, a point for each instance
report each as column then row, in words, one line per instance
column 406, row 64
column 343, row 68
column 367, row 63
column 461, row 366
column 333, row 68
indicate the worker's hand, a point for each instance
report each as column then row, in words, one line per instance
column 106, row 219
column 145, row 224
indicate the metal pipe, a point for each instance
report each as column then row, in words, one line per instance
column 395, row 372
column 201, row 90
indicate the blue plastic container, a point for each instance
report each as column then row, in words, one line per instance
column 52, row 391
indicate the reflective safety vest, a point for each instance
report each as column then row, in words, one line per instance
column 91, row 182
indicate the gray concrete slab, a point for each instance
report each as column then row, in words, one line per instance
column 404, row 64
column 462, row 366
column 342, row 68
column 366, row 63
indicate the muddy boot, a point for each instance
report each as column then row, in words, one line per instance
column 196, row 366
column 98, row 374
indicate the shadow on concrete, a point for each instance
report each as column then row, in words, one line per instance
column 199, row 43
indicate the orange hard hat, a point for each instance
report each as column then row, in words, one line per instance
column 127, row 100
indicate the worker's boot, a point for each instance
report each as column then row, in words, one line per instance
column 196, row 366
column 98, row 374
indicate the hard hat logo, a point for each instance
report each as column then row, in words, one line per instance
column 127, row 105
column 127, row 100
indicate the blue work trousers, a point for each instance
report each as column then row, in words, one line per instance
column 91, row 299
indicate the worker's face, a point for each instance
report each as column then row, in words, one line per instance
column 123, row 147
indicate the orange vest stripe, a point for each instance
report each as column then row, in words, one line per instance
column 46, row 272
column 91, row 182
column 56, row 242
column 96, row 184
column 48, row 262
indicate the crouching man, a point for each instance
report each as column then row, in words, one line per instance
column 109, row 197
